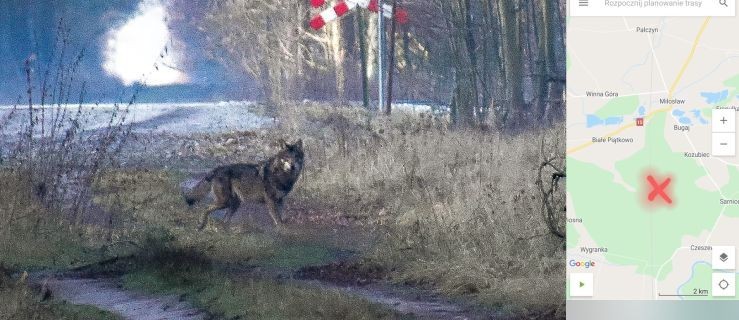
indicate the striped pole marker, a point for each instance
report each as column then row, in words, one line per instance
column 331, row 14
column 342, row 7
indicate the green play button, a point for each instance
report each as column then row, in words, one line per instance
column 581, row 284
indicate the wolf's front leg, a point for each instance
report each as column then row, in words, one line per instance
column 274, row 210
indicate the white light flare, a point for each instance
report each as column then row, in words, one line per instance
column 143, row 50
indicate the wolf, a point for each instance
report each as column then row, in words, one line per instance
column 269, row 181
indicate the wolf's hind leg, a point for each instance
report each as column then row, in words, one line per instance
column 222, row 194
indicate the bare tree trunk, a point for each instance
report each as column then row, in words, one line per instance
column 373, row 47
column 464, row 97
column 296, row 84
column 391, row 62
column 466, row 83
column 487, row 73
column 555, row 59
column 471, row 46
column 494, row 78
column 337, row 52
column 512, row 61
column 362, row 36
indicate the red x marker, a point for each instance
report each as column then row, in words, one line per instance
column 659, row 189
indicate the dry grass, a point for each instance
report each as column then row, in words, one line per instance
column 149, row 204
column 49, row 163
column 463, row 207
column 32, row 236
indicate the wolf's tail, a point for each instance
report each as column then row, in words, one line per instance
column 198, row 192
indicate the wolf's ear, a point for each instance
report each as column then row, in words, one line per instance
column 299, row 144
column 282, row 144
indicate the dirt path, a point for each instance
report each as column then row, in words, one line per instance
column 106, row 294
column 411, row 302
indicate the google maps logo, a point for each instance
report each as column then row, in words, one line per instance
column 582, row 264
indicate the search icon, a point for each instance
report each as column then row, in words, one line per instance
column 723, row 3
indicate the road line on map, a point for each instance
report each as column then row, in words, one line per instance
column 592, row 76
column 626, row 23
column 621, row 96
column 710, row 234
column 659, row 271
column 725, row 162
column 690, row 56
column 659, row 66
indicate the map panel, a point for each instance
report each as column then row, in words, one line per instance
column 653, row 175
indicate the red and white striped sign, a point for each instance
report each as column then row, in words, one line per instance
column 362, row 3
column 343, row 6
column 331, row 14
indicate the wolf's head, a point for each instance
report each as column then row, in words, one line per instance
column 290, row 158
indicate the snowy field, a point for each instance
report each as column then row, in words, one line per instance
column 174, row 118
